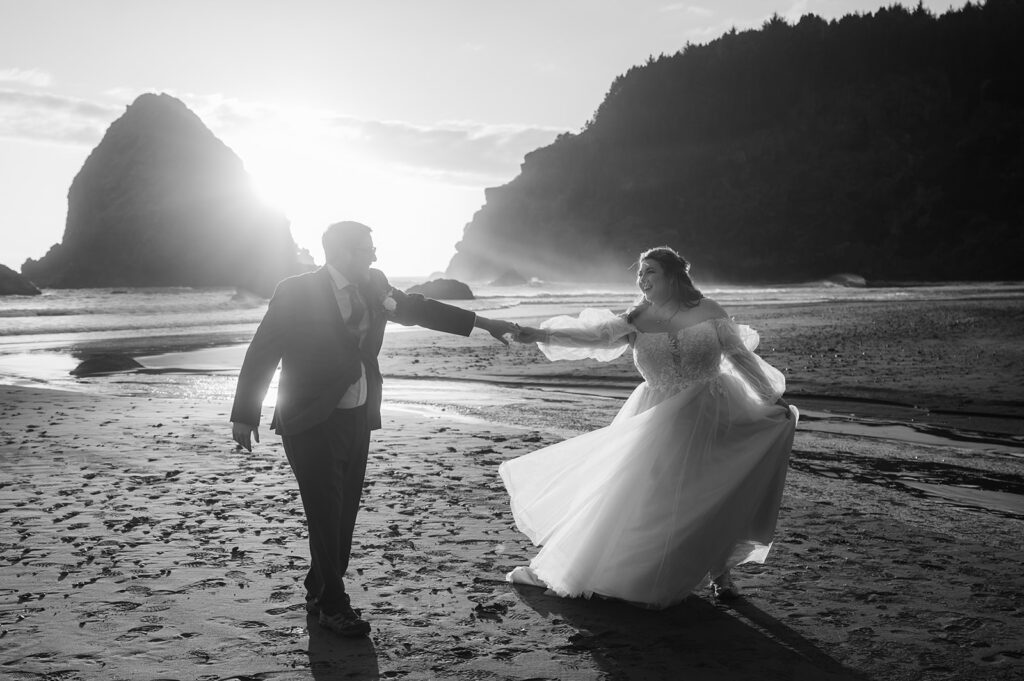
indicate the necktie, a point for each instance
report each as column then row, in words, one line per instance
column 355, row 318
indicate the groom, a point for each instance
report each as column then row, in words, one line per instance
column 326, row 328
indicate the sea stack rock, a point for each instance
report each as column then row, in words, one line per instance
column 13, row 284
column 162, row 202
column 510, row 278
column 443, row 289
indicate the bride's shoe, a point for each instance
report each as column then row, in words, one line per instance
column 724, row 588
column 525, row 575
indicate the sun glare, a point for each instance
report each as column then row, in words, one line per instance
column 416, row 221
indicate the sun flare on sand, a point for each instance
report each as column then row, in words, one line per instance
column 315, row 180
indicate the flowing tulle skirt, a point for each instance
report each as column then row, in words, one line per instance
column 678, row 487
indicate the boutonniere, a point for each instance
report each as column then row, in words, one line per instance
column 390, row 305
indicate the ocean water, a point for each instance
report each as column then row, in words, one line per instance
column 42, row 338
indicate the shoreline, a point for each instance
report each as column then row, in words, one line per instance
column 949, row 426
column 958, row 354
column 947, row 371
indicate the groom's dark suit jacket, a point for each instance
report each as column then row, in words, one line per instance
column 319, row 356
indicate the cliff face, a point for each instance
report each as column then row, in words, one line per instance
column 889, row 145
column 162, row 202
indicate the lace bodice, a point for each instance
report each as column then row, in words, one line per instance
column 674, row 361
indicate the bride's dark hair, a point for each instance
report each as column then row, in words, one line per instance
column 677, row 269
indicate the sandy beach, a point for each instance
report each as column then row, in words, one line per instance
column 136, row 541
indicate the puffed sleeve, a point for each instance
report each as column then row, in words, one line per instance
column 738, row 359
column 593, row 334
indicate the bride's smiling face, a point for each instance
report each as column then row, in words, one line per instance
column 652, row 282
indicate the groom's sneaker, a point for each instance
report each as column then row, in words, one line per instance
column 345, row 623
column 313, row 605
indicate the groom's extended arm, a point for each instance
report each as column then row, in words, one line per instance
column 413, row 309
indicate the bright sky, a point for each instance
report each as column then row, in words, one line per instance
column 394, row 113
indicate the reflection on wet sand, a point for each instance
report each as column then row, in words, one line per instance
column 1001, row 493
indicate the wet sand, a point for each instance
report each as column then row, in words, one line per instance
column 137, row 543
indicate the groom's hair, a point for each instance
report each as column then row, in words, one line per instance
column 342, row 235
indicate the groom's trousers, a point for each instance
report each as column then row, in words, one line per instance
column 329, row 463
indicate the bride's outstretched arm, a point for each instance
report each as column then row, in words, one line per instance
column 749, row 366
column 594, row 334
column 530, row 334
column 567, row 337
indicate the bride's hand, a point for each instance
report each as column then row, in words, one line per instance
column 785, row 405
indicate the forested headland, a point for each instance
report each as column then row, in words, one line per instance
column 887, row 145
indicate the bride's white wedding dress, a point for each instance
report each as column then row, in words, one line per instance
column 683, row 484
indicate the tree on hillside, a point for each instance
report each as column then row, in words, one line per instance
column 887, row 144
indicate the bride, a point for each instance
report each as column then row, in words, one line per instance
column 686, row 481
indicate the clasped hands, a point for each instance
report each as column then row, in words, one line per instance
column 508, row 331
